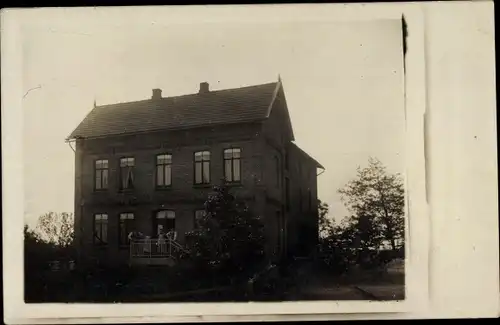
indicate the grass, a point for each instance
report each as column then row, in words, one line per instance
column 181, row 285
column 132, row 285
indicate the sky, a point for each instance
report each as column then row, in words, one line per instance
column 343, row 83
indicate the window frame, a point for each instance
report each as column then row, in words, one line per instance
column 156, row 223
column 121, row 188
column 301, row 198
column 287, row 193
column 100, row 171
column 127, row 230
column 309, row 200
column 232, row 162
column 164, row 165
column 286, row 160
column 97, row 241
column 278, row 171
column 195, row 221
column 202, row 161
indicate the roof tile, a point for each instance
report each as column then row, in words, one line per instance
column 215, row 107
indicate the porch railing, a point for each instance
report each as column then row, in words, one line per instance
column 155, row 248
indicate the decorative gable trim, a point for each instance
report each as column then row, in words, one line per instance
column 273, row 99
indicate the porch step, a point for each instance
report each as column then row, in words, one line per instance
column 163, row 261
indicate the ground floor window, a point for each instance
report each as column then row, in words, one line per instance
column 164, row 221
column 100, row 229
column 125, row 227
column 198, row 217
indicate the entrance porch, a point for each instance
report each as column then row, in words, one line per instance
column 155, row 252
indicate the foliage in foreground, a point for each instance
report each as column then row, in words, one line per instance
column 39, row 252
column 229, row 238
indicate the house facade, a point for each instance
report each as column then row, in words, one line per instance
column 151, row 164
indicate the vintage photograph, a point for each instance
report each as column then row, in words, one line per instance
column 213, row 162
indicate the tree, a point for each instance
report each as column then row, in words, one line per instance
column 49, row 242
column 376, row 198
column 229, row 237
column 337, row 247
column 56, row 228
column 37, row 252
column 325, row 224
column 29, row 235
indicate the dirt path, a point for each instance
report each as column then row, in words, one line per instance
column 314, row 285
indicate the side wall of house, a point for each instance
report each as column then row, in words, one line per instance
column 291, row 186
column 78, row 202
column 276, row 136
column 303, row 221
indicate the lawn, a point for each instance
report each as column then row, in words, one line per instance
column 298, row 281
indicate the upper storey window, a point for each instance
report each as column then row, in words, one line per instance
column 127, row 173
column 232, row 165
column 164, row 170
column 202, row 167
column 101, row 171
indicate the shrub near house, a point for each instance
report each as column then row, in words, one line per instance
column 229, row 239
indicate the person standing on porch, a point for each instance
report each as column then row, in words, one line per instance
column 172, row 235
column 162, row 240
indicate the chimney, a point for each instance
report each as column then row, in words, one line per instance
column 204, row 87
column 156, row 94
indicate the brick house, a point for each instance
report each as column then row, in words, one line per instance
column 151, row 163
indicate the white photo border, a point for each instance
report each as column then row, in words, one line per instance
column 12, row 139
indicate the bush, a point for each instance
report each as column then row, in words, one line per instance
column 229, row 239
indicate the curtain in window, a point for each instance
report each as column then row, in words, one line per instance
column 105, row 178
column 127, row 175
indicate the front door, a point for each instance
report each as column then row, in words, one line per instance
column 163, row 220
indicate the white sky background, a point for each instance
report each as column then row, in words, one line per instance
column 343, row 83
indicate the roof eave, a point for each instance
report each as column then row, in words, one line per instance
column 74, row 137
column 318, row 165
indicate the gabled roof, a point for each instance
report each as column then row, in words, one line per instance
column 305, row 154
column 246, row 104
